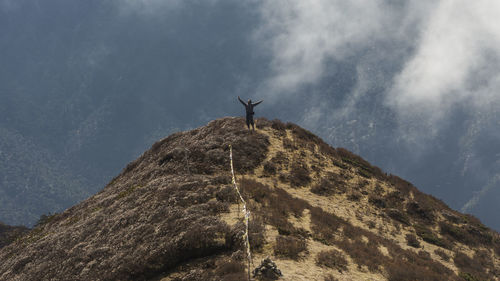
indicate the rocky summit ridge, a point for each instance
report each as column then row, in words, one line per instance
column 318, row 212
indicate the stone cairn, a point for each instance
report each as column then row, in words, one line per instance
column 267, row 270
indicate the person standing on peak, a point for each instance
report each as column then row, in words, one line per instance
column 249, row 109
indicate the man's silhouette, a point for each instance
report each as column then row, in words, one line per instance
column 249, row 109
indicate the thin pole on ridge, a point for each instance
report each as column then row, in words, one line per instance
column 245, row 211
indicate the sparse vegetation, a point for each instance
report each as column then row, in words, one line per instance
column 270, row 168
column 470, row 267
column 279, row 159
column 227, row 194
column 428, row 236
column 399, row 216
column 412, row 241
column 278, row 126
column 288, row 144
column 256, row 233
column 424, row 255
column 45, row 218
column 230, row 271
column 329, row 185
column 325, row 225
column 468, row 277
column 325, row 188
column 377, row 201
column 280, row 205
column 442, row 254
column 371, row 224
column 299, row 175
column 395, row 200
column 483, row 257
column 330, row 277
column 365, row 169
column 290, row 247
column 378, row 190
column 456, row 233
column 420, row 212
column 354, row 196
column 332, row 259
column 184, row 153
column 126, row 192
column 303, row 135
column 364, row 254
column 402, row 186
column 339, row 164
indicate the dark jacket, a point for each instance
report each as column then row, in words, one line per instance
column 249, row 106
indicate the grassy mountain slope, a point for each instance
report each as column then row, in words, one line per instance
column 320, row 213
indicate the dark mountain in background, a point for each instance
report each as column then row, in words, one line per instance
column 85, row 87
column 320, row 213
column 8, row 233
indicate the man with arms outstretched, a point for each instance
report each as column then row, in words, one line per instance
column 249, row 109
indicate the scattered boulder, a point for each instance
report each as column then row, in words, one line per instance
column 267, row 270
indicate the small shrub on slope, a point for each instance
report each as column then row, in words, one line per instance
column 299, row 175
column 412, row 241
column 330, row 277
column 332, row 259
column 289, row 246
column 442, row 254
column 471, row 267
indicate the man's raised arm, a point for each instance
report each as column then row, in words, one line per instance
column 254, row 104
column 241, row 101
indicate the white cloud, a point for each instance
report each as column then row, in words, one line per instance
column 303, row 36
column 474, row 201
column 443, row 54
column 457, row 44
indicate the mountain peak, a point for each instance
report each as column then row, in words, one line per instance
column 320, row 213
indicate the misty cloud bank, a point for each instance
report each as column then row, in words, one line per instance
column 445, row 58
